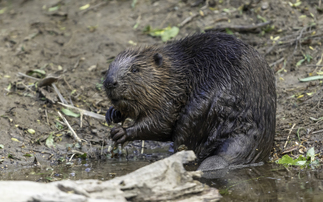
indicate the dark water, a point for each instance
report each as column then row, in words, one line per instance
column 267, row 183
column 262, row 183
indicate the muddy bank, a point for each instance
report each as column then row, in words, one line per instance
column 76, row 41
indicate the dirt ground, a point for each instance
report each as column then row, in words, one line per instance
column 77, row 39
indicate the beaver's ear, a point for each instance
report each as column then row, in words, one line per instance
column 158, row 58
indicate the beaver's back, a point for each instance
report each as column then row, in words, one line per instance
column 231, row 106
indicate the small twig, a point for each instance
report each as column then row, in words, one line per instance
column 61, row 98
column 290, row 149
column 71, row 157
column 85, row 112
column 30, row 77
column 187, row 20
column 46, row 116
column 102, row 146
column 27, row 87
column 71, row 129
column 95, row 7
column 76, row 65
column 62, row 123
column 277, row 62
column 314, row 65
column 77, row 152
column 240, row 28
column 290, row 131
column 318, row 131
column 142, row 146
column 68, row 85
column 71, row 101
column 81, row 118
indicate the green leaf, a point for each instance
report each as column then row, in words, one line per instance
column 226, row 10
column 136, row 25
column 69, row 113
column 311, row 78
column 53, row 9
column 315, row 119
column 261, row 18
column 228, row 31
column 58, row 125
column 300, row 158
column 311, row 154
column 133, row 4
column 166, row 33
column 171, row 33
column 300, row 163
column 50, row 141
column 297, row 3
column 82, row 156
column 28, row 155
column 300, row 62
column 9, row 87
column 286, row 160
column 31, row 131
column 41, row 73
column 3, row 10
column 1, row 146
column 86, row 6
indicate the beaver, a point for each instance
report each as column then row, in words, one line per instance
column 210, row 92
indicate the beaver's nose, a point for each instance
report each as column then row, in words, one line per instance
column 110, row 82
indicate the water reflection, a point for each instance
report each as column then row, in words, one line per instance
column 267, row 183
column 261, row 183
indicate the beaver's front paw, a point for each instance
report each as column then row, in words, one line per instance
column 114, row 116
column 119, row 135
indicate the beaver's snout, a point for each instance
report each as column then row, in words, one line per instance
column 110, row 82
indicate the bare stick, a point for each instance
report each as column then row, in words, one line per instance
column 71, row 129
column 240, row 28
column 142, row 146
column 85, row 112
column 46, row 116
column 81, row 119
column 95, row 6
column 318, row 131
column 76, row 64
column 277, row 62
column 314, row 65
column 30, row 77
column 290, row 131
column 187, row 20
column 67, row 83
column 71, row 157
column 61, row 98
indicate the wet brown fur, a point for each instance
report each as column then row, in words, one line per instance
column 210, row 92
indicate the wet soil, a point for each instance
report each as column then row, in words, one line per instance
column 66, row 39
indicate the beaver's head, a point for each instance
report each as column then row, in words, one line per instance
column 137, row 81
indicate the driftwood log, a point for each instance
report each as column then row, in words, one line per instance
column 164, row 180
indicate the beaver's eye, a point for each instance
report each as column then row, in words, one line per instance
column 134, row 69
